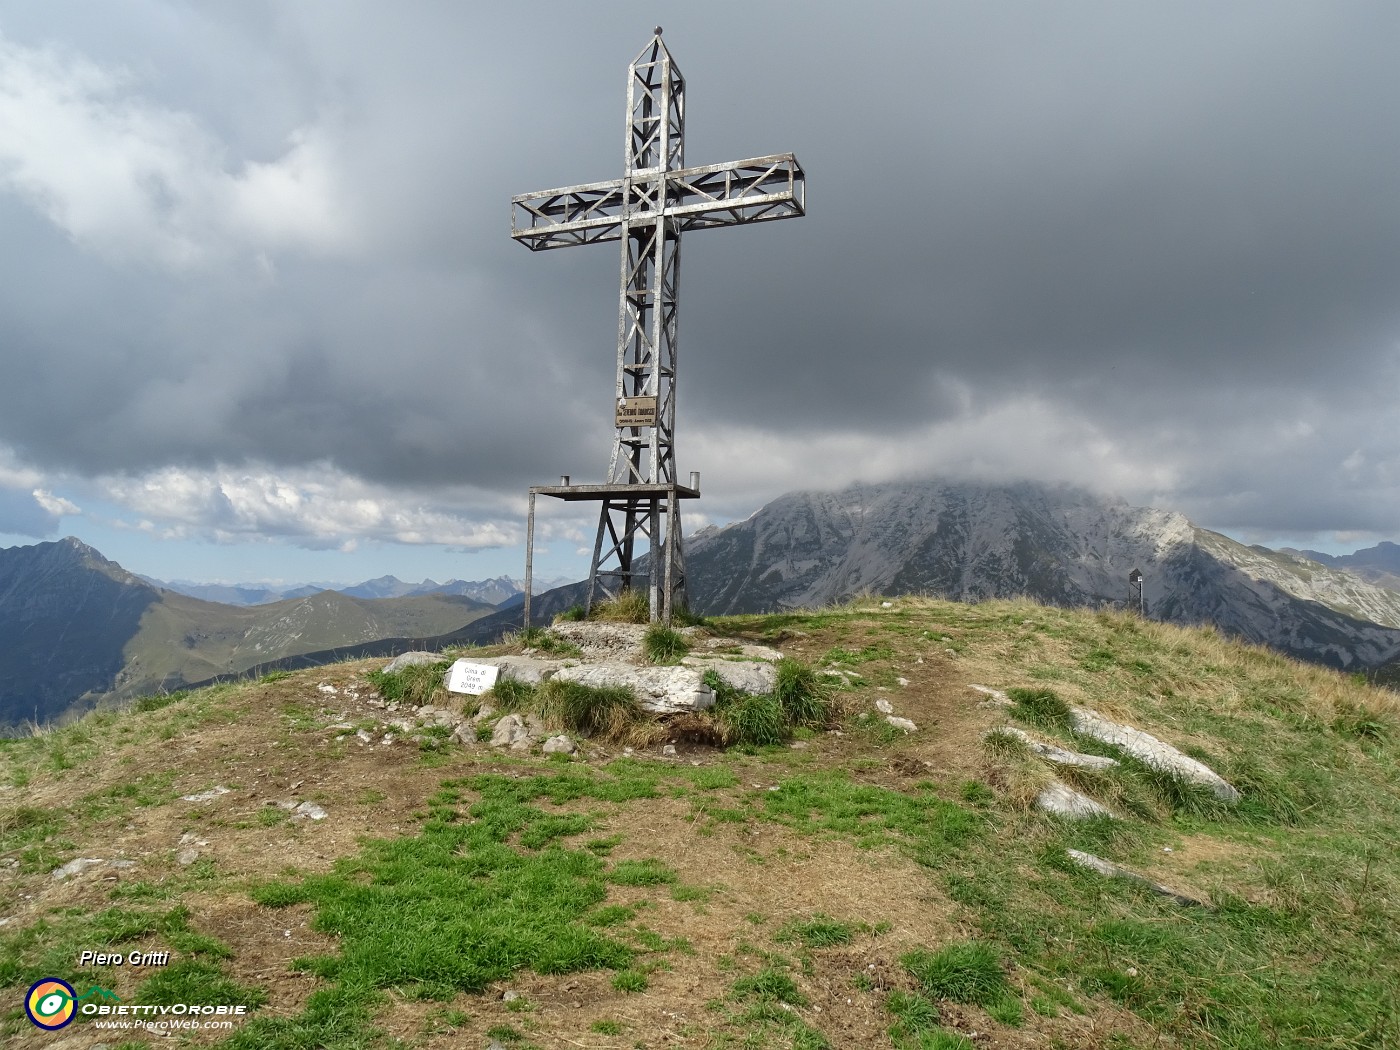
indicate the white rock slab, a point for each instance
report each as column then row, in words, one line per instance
column 1062, row 800
column 1143, row 746
column 206, row 796
column 601, row 639
column 1150, row 751
column 1117, row 871
column 398, row 663
column 1058, row 755
column 901, row 723
column 471, row 677
column 746, row 650
column 664, row 690
column 995, row 697
column 747, row 676
column 76, row 867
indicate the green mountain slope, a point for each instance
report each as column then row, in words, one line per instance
column 182, row 640
column 76, row 628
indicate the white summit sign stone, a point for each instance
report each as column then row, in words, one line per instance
column 465, row 676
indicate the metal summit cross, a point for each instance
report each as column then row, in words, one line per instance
column 655, row 201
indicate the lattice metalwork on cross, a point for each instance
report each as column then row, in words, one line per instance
column 657, row 199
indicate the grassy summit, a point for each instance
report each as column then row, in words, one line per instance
column 859, row 888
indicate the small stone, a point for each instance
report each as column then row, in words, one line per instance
column 902, row 681
column 510, row 732
column 951, row 652
column 389, row 738
column 669, row 749
column 798, row 745
column 887, row 605
column 206, row 796
column 901, row 723
column 561, row 744
column 75, row 867
column 326, row 687
column 363, row 737
column 509, row 996
column 186, row 857
column 884, row 706
column 309, row 809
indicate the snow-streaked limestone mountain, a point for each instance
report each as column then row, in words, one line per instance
column 1055, row 544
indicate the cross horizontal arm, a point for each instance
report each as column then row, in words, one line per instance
column 571, row 215
column 760, row 189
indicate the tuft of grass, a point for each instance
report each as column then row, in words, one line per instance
column 751, row 720
column 663, row 645
column 157, row 701
column 417, row 684
column 969, row 972
column 572, row 614
column 800, row 700
column 631, row 606
column 611, row 712
column 820, row 931
column 630, row 981
column 769, row 985
column 545, row 641
column 511, row 694
column 1002, row 743
column 648, row 872
column 274, row 676
column 1039, row 707
column 914, row 1016
column 804, row 696
column 1362, row 724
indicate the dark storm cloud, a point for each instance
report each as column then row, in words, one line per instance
column 1172, row 230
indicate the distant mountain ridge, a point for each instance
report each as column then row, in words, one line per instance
column 76, row 628
column 491, row 592
column 1056, row 544
column 1379, row 564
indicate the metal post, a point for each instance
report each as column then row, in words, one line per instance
column 529, row 558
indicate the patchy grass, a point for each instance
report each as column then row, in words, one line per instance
column 789, row 880
column 663, row 645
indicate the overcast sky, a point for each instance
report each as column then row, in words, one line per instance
column 261, row 316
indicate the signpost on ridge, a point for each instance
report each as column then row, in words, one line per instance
column 655, row 201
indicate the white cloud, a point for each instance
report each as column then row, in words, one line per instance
column 318, row 507
column 128, row 178
column 55, row 505
column 1022, row 438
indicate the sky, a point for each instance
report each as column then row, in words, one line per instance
column 262, row 319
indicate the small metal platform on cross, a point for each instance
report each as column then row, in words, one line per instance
column 657, row 199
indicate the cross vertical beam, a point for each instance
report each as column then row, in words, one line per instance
column 647, row 209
